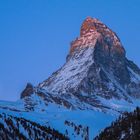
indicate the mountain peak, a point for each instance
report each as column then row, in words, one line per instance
column 96, row 59
column 27, row 91
column 89, row 25
column 93, row 31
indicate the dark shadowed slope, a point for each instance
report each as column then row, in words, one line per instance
column 126, row 127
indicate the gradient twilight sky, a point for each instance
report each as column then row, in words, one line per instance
column 35, row 36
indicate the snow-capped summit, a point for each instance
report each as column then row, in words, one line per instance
column 93, row 30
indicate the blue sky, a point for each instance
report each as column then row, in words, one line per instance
column 35, row 36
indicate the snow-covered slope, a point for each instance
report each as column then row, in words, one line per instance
column 95, row 85
column 74, row 124
column 15, row 126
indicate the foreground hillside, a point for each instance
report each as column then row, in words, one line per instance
column 17, row 128
column 126, row 127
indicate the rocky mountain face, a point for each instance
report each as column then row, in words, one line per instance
column 97, row 81
column 96, row 67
